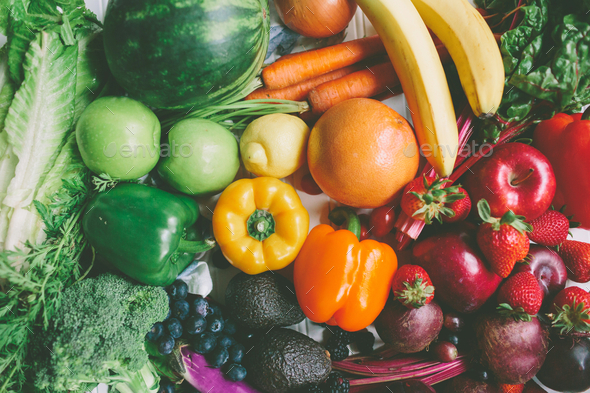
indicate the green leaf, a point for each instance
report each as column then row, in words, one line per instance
column 483, row 208
column 37, row 123
column 19, row 40
column 92, row 71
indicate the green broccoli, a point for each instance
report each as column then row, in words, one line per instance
column 97, row 336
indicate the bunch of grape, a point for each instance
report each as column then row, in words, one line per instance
column 202, row 324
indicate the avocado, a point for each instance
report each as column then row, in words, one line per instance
column 283, row 360
column 263, row 301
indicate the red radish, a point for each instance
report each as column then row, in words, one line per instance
column 520, row 297
column 425, row 199
column 571, row 310
column 412, row 286
column 409, row 330
column 513, row 351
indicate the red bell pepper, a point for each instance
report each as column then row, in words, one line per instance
column 565, row 141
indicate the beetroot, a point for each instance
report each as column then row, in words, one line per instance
column 513, row 351
column 409, row 330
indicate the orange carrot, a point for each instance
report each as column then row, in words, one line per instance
column 366, row 83
column 306, row 65
column 299, row 91
column 361, row 84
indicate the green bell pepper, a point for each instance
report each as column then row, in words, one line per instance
column 146, row 233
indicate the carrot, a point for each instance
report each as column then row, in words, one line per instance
column 306, row 65
column 361, row 84
column 299, row 91
column 366, row 83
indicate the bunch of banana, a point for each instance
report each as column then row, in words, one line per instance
column 402, row 26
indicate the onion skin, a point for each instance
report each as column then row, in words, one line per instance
column 316, row 19
column 409, row 330
column 513, row 351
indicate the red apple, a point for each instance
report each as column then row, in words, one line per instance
column 456, row 267
column 515, row 177
column 548, row 267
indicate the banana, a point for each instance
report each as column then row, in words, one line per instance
column 418, row 66
column 472, row 45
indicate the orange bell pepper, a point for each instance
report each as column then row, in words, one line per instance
column 339, row 280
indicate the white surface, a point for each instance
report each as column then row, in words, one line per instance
column 318, row 206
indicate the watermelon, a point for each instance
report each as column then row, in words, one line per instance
column 182, row 54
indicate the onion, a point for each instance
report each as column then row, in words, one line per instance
column 317, row 19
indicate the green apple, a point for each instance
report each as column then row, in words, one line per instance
column 120, row 137
column 201, row 157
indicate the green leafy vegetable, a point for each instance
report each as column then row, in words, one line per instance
column 30, row 300
column 51, row 68
column 37, row 123
column 546, row 59
column 97, row 336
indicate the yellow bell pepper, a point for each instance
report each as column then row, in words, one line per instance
column 260, row 224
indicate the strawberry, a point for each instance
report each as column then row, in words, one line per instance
column 576, row 256
column 412, row 286
column 502, row 241
column 505, row 388
column 425, row 199
column 460, row 207
column 571, row 310
column 551, row 228
column 520, row 296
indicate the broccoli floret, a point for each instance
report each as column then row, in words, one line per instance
column 97, row 336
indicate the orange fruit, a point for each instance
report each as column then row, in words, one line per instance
column 361, row 153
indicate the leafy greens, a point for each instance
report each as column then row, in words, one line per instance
column 546, row 60
column 51, row 68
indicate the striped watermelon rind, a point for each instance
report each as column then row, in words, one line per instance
column 182, row 54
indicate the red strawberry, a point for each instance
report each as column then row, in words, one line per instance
column 520, row 296
column 425, row 199
column 461, row 207
column 571, row 310
column 550, row 229
column 412, row 286
column 505, row 388
column 576, row 256
column 502, row 241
